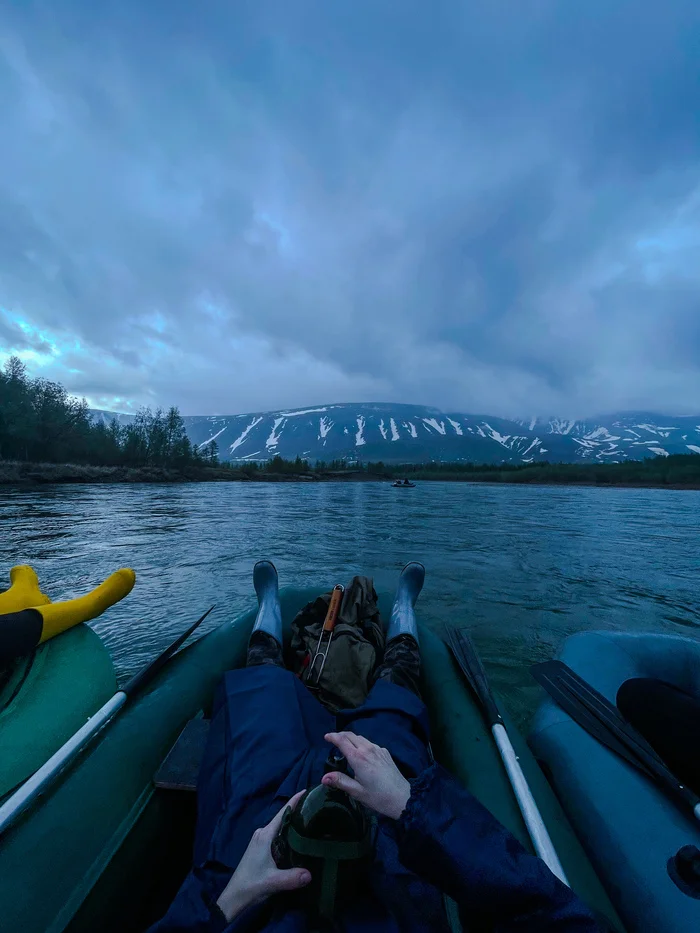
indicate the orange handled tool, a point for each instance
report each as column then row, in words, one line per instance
column 326, row 636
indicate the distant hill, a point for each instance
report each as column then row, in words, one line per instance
column 414, row 434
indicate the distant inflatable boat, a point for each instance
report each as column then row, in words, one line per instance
column 398, row 485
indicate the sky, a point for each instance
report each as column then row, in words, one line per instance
column 242, row 205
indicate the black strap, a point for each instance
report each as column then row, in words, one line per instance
column 329, row 849
column 20, row 633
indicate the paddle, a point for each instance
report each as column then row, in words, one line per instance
column 17, row 802
column 470, row 664
column 594, row 713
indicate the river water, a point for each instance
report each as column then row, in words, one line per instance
column 521, row 567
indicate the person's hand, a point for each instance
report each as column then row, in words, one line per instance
column 257, row 876
column 378, row 783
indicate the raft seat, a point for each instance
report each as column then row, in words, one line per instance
column 180, row 767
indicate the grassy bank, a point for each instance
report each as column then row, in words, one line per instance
column 681, row 471
column 676, row 471
column 16, row 472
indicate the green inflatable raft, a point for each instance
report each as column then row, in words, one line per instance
column 105, row 850
column 46, row 696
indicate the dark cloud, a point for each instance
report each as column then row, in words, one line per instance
column 488, row 207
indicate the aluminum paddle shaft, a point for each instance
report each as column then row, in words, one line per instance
column 42, row 779
column 473, row 670
column 27, row 793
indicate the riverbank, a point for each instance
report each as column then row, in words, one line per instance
column 650, row 474
column 14, row 472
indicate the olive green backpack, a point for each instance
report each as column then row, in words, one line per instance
column 356, row 646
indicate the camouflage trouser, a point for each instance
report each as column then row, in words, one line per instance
column 264, row 649
column 400, row 665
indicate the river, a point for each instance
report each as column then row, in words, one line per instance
column 521, row 567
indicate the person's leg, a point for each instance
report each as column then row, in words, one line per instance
column 401, row 664
column 265, row 646
column 264, row 723
column 669, row 719
column 396, row 719
column 264, row 649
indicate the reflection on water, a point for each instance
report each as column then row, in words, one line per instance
column 522, row 567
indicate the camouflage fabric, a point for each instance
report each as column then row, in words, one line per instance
column 401, row 664
column 352, row 668
column 264, row 649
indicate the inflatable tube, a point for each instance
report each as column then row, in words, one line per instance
column 101, row 840
column 628, row 826
column 48, row 695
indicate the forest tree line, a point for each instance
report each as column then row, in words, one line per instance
column 41, row 423
column 674, row 470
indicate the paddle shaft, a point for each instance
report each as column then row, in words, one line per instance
column 471, row 666
column 35, row 785
column 532, row 817
column 42, row 779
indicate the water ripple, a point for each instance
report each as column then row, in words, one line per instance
column 523, row 567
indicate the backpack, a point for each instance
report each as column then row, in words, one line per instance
column 356, row 647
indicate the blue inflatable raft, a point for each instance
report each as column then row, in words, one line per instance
column 630, row 829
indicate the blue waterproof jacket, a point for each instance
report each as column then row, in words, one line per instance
column 266, row 742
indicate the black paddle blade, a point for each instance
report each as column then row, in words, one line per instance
column 469, row 663
column 594, row 713
column 138, row 680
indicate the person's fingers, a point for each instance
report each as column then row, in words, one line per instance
column 362, row 742
column 293, row 801
column 343, row 782
column 346, row 742
column 290, row 879
column 273, row 826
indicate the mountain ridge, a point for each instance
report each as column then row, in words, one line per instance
column 404, row 433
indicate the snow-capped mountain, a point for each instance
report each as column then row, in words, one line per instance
column 412, row 433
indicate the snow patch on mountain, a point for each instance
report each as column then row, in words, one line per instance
column 656, row 429
column 560, row 426
column 359, row 438
column 324, row 427
column 535, row 443
column 411, row 427
column 696, row 450
column 395, row 436
column 601, row 434
column 457, row 427
column 659, row 451
column 303, row 411
column 382, row 429
column 239, row 440
column 274, row 438
column 498, row 437
column 212, row 439
column 434, row 423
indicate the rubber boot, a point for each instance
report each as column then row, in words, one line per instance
column 403, row 618
column 269, row 617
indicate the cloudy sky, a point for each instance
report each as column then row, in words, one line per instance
column 235, row 205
